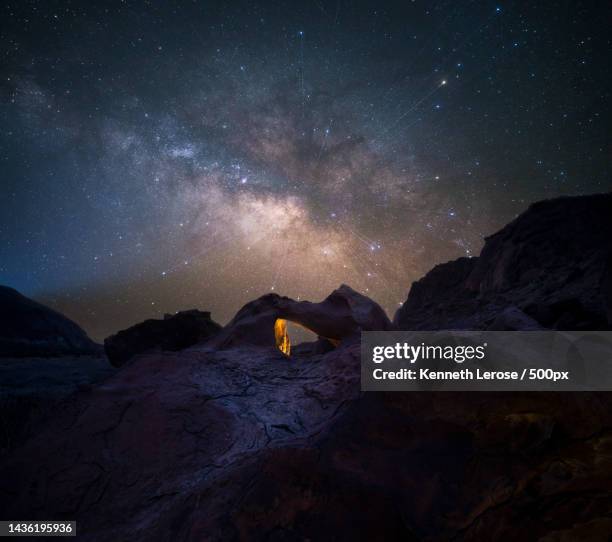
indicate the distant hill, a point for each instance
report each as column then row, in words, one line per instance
column 29, row 329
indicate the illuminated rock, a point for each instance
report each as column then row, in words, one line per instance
column 283, row 342
column 344, row 313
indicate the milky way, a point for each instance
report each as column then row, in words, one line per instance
column 159, row 158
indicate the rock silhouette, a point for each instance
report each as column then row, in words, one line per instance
column 174, row 332
column 29, row 329
column 553, row 263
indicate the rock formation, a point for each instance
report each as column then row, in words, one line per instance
column 553, row 263
column 343, row 314
column 174, row 332
column 29, row 329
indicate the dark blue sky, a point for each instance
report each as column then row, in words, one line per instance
column 159, row 156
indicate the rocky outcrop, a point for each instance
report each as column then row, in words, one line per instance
column 174, row 332
column 440, row 300
column 343, row 314
column 553, row 263
column 29, row 329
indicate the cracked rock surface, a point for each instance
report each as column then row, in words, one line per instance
column 128, row 454
column 246, row 444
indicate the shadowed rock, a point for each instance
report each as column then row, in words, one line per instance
column 513, row 319
column 174, row 332
column 553, row 263
column 29, row 329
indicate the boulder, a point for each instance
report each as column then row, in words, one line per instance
column 174, row 332
column 30, row 329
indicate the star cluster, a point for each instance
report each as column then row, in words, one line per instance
column 161, row 156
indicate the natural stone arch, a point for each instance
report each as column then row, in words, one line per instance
column 342, row 314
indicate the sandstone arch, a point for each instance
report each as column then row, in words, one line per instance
column 344, row 313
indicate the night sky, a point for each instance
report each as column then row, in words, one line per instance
column 159, row 156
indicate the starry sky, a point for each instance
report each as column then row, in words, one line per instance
column 160, row 156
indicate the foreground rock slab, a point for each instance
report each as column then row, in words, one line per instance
column 246, row 444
